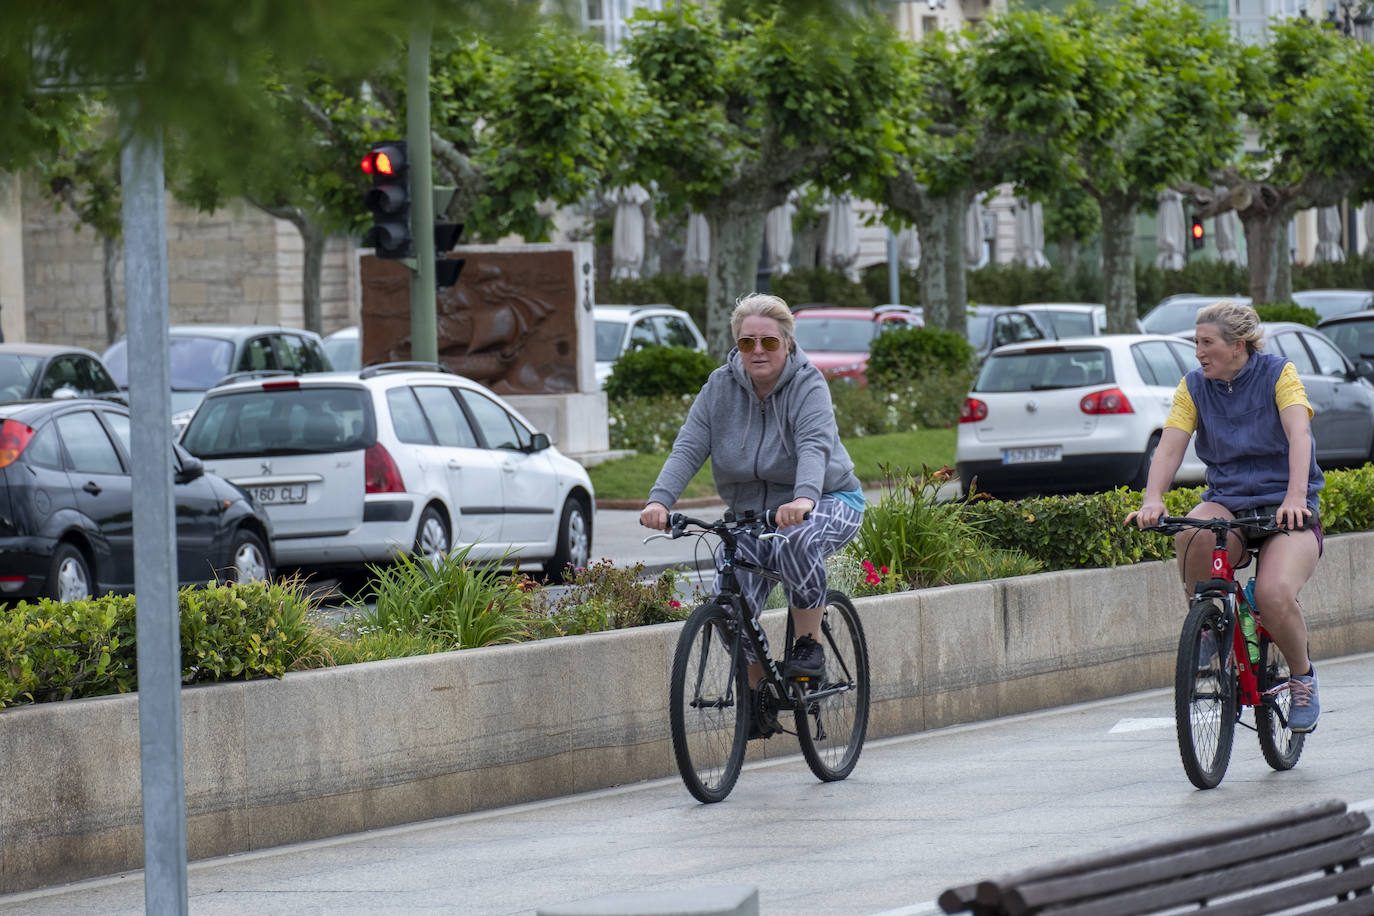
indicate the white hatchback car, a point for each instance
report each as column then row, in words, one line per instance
column 621, row 328
column 354, row 468
column 1073, row 415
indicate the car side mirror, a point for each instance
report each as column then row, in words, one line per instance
column 1365, row 369
column 539, row 442
column 191, row 468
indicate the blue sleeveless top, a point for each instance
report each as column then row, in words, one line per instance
column 1241, row 440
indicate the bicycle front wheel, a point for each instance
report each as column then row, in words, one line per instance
column 831, row 727
column 708, row 712
column 1205, row 695
column 1281, row 747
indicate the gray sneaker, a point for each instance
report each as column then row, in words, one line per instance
column 1302, row 715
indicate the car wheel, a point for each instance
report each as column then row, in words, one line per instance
column 69, row 578
column 1142, row 476
column 247, row 559
column 431, row 537
column 574, row 547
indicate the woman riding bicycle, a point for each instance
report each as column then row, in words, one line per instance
column 766, row 422
column 1252, row 420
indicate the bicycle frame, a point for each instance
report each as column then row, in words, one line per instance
column 1223, row 586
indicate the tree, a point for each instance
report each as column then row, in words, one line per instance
column 1309, row 100
column 749, row 104
column 975, row 111
column 1170, row 110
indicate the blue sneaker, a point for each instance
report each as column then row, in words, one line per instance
column 1302, row 715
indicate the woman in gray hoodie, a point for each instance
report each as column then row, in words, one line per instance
column 766, row 422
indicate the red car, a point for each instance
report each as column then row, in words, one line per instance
column 837, row 339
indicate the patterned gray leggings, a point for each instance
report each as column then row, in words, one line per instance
column 800, row 558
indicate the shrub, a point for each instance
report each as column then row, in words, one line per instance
column 906, row 354
column 606, row 597
column 806, row 284
column 1347, row 500
column 1288, row 311
column 647, row 425
column 655, row 371
column 678, row 290
column 457, row 604
column 254, row 629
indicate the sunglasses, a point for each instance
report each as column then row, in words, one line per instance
column 746, row 344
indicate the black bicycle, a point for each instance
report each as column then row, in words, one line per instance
column 710, row 710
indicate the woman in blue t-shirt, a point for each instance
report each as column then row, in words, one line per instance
column 1252, row 420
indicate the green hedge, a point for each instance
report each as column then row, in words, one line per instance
column 51, row 650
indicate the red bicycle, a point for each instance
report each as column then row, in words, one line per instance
column 1224, row 665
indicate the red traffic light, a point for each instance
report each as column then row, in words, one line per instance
column 1197, row 229
column 379, row 164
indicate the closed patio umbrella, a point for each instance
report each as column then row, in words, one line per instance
column 627, row 239
column 974, row 249
column 1170, row 232
column 1030, row 234
column 841, row 250
column 777, row 234
column 1228, row 251
column 1328, row 236
column 698, row 246
column 909, row 248
column 1368, row 211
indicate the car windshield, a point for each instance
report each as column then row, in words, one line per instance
column 342, row 352
column 281, row 421
column 16, row 373
column 1043, row 369
column 1328, row 304
column 1172, row 317
column 1069, row 324
column 609, row 335
column 1355, row 338
column 196, row 363
column 819, row 335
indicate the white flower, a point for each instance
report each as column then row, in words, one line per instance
column 610, row 421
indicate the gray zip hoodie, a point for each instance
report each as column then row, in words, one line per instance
column 763, row 452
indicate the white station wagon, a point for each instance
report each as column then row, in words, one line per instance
column 1073, row 415
column 354, row 468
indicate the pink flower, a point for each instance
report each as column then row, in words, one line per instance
column 674, row 604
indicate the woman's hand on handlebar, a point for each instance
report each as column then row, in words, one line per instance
column 1292, row 515
column 655, row 516
column 795, row 512
column 1149, row 514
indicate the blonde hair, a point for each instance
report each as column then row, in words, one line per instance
column 1235, row 322
column 768, row 307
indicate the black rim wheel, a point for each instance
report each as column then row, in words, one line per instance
column 1205, row 695
column 1280, row 746
column 831, row 729
column 708, row 704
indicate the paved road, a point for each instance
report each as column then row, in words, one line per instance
column 919, row 814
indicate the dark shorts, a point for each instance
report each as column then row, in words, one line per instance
column 1314, row 523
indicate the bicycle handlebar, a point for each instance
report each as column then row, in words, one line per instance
column 1170, row 524
column 678, row 524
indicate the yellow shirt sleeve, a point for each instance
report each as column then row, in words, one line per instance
column 1183, row 415
column 1288, row 390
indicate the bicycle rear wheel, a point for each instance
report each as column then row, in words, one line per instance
column 831, row 728
column 1281, row 747
column 708, row 712
column 1205, row 695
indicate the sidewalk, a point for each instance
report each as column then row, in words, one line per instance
column 919, row 814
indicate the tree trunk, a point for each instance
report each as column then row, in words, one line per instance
column 1118, row 262
column 310, row 275
column 940, row 225
column 1068, row 255
column 732, row 265
column 1266, row 242
column 112, row 255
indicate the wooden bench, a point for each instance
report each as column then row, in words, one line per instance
column 1304, row 856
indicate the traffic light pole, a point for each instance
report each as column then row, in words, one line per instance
column 423, row 324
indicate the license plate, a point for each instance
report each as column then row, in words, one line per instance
column 1032, row 455
column 285, row 495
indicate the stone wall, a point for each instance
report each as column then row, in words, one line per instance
column 236, row 265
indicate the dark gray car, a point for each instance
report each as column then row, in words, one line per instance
column 1342, row 402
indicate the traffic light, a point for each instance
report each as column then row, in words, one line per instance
column 389, row 200
column 1199, row 234
column 446, row 270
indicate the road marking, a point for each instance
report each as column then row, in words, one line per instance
column 1139, row 725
